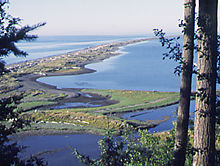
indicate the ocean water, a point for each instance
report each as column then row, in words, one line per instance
column 139, row 67
column 55, row 45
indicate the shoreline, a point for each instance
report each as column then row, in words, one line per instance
column 47, row 132
column 88, row 49
column 29, row 80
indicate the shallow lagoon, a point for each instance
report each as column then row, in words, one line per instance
column 160, row 114
column 57, row 149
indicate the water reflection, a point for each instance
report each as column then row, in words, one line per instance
column 56, row 149
column 78, row 105
column 160, row 114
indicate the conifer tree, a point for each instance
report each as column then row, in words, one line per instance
column 10, row 33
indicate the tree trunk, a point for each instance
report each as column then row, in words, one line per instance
column 185, row 87
column 205, row 110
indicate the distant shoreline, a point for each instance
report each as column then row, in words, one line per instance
column 112, row 44
column 29, row 80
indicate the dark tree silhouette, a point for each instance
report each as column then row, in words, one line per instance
column 12, row 32
column 205, row 110
column 185, row 85
column 10, row 122
column 9, row 151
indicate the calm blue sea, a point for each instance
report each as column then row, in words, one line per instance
column 140, row 67
column 55, row 45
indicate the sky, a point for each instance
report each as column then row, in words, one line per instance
column 99, row 17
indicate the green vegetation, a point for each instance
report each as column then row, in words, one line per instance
column 130, row 150
column 80, row 120
column 132, row 100
column 40, row 95
column 34, row 105
column 141, row 150
column 99, row 119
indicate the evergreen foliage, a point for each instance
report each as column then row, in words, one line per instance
column 135, row 148
column 11, row 32
column 10, row 124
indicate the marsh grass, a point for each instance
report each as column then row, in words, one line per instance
column 130, row 100
column 34, row 104
column 101, row 118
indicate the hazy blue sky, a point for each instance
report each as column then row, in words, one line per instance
column 99, row 17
